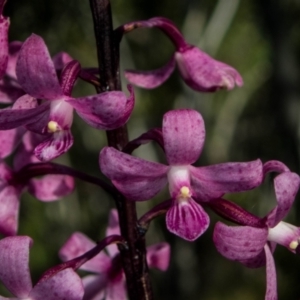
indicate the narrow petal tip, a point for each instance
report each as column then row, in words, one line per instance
column 205, row 74
column 184, row 135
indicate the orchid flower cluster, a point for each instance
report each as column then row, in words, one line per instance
column 35, row 128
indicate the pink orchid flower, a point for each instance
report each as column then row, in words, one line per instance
column 199, row 71
column 109, row 281
column 37, row 76
column 183, row 135
column 253, row 246
column 47, row 188
column 15, row 275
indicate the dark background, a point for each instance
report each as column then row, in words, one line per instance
column 260, row 120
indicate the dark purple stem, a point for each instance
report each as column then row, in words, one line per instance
column 40, row 169
column 134, row 257
column 80, row 260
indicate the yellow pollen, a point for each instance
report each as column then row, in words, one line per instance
column 52, row 126
column 185, row 192
column 293, row 245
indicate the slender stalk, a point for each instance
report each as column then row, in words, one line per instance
column 40, row 169
column 134, row 257
column 77, row 262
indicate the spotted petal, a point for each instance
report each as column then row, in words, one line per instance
column 12, row 118
column 79, row 244
column 184, row 134
column 286, row 187
column 35, row 70
column 9, row 212
column 158, row 256
column 135, row 178
column 14, row 49
column 9, row 140
column 14, row 261
column 60, row 60
column 271, row 292
column 151, row 79
column 105, row 111
column 187, row 219
column 240, row 242
column 205, row 74
column 214, row 181
column 4, row 25
column 51, row 187
column 65, row 284
column 275, row 166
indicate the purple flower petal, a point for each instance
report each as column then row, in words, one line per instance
column 271, row 291
column 102, row 287
column 38, row 123
column 12, row 118
column 25, row 102
column 65, row 284
column 135, row 178
column 4, row 26
column 116, row 288
column 151, row 79
column 94, row 286
column 5, row 173
column 275, row 166
column 105, row 111
column 187, row 219
column 55, row 145
column 285, row 234
column 51, row 187
column 240, row 242
column 9, row 212
column 13, row 49
column 205, row 74
column 35, row 70
column 286, row 187
column 61, row 59
column 257, row 261
column 184, row 134
column 158, row 256
column 9, row 140
column 39, row 126
column 25, row 155
column 79, row 244
column 113, row 228
column 10, row 91
column 14, row 261
column 214, row 181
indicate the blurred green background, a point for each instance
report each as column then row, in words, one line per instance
column 261, row 40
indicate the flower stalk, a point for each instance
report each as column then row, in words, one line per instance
column 134, row 258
